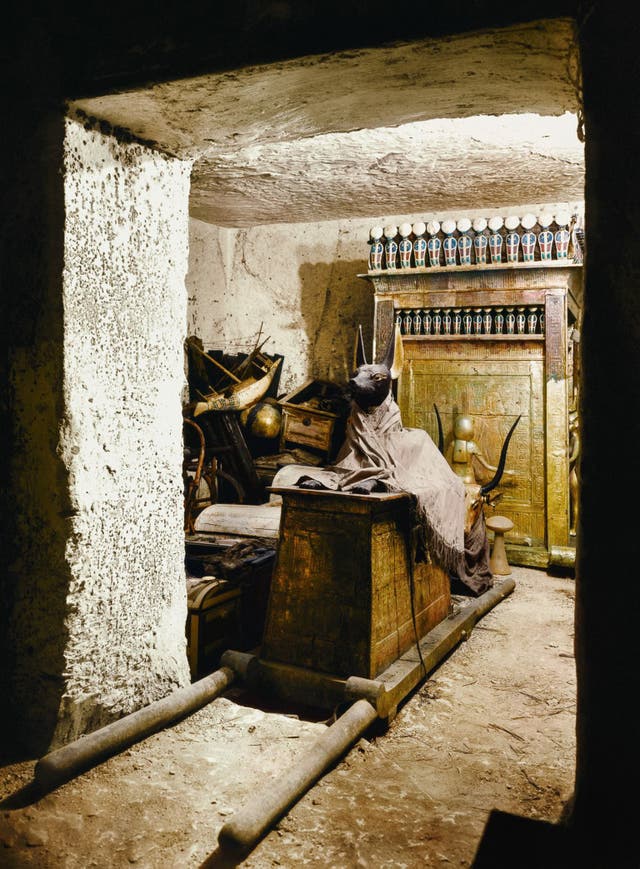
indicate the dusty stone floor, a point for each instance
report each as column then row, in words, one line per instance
column 491, row 728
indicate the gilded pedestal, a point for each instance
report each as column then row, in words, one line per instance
column 346, row 598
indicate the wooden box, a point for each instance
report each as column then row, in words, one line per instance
column 310, row 415
column 213, row 622
column 344, row 592
column 226, row 607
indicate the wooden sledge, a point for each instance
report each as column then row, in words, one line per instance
column 353, row 625
column 349, row 610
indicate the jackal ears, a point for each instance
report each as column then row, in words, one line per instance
column 394, row 357
column 359, row 356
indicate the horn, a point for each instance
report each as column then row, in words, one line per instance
column 360, row 355
column 484, row 490
column 440, row 434
column 397, row 360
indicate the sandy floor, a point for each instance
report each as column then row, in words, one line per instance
column 493, row 727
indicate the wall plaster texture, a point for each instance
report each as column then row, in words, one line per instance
column 124, row 298
column 397, row 126
column 300, row 283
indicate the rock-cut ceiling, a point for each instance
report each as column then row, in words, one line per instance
column 481, row 120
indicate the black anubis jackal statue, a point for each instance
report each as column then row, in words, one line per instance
column 368, row 387
column 380, row 454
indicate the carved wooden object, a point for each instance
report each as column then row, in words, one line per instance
column 342, row 588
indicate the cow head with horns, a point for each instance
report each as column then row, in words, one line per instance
column 478, row 495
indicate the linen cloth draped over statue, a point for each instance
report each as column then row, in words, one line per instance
column 377, row 447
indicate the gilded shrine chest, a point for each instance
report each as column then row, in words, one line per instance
column 346, row 597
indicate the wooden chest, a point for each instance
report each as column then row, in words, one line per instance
column 226, row 606
column 213, row 622
column 309, row 417
column 310, row 428
column 345, row 598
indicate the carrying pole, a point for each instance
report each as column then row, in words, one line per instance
column 247, row 826
column 374, row 699
column 64, row 763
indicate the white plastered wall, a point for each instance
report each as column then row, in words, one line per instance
column 126, row 250
column 298, row 281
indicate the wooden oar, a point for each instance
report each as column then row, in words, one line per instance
column 215, row 362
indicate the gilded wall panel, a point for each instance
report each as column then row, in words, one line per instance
column 481, row 351
column 494, row 396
